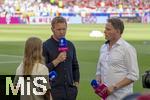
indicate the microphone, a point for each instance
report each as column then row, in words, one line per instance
column 62, row 45
column 52, row 75
column 100, row 89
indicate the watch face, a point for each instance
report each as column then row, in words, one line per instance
column 115, row 87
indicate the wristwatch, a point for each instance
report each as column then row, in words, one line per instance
column 115, row 87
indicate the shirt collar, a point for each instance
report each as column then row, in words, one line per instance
column 54, row 39
column 120, row 41
column 106, row 42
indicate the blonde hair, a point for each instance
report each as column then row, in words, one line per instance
column 32, row 54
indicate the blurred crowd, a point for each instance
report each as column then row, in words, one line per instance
column 49, row 7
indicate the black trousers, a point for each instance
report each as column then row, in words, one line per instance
column 64, row 93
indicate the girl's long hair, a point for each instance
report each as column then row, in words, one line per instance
column 32, row 54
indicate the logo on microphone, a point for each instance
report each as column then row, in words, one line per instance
column 62, row 45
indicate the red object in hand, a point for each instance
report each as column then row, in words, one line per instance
column 100, row 89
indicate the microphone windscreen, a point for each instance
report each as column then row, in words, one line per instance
column 52, row 75
column 94, row 83
column 62, row 42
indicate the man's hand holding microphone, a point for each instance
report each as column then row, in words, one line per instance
column 63, row 52
column 60, row 58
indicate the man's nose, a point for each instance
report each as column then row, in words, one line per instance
column 61, row 31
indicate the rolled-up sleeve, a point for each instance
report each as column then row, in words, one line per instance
column 132, row 64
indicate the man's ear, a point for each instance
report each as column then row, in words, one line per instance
column 52, row 29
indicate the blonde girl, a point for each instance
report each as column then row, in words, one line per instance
column 33, row 65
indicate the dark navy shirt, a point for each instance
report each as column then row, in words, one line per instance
column 67, row 71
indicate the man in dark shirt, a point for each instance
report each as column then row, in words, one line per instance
column 65, row 85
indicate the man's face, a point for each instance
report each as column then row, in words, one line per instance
column 59, row 30
column 110, row 32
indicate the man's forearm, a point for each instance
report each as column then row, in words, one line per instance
column 55, row 62
column 123, row 83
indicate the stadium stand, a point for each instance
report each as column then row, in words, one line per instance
column 46, row 8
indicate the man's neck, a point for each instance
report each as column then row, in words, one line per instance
column 54, row 38
column 112, row 42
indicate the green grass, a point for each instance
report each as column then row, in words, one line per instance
column 12, row 39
